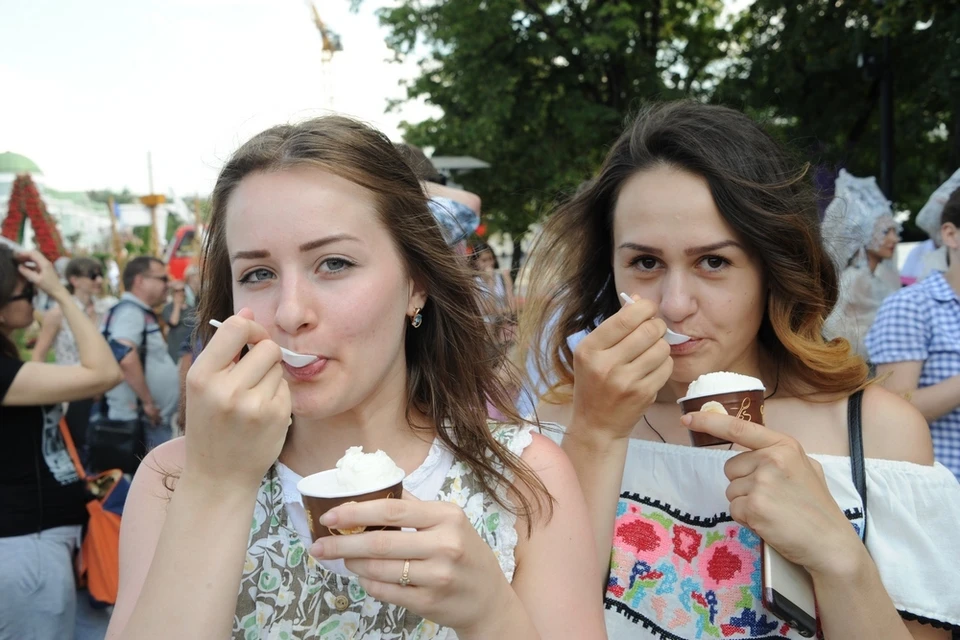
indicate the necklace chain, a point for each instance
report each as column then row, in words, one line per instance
column 776, row 387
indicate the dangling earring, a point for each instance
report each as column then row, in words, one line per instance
column 417, row 319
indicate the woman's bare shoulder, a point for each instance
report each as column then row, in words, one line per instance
column 161, row 468
column 893, row 429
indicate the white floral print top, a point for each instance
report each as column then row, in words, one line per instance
column 285, row 594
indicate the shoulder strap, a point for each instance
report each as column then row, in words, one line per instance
column 71, row 448
column 855, row 433
column 142, row 351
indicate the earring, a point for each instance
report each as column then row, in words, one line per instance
column 417, row 319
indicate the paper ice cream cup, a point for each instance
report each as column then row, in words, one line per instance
column 322, row 492
column 745, row 404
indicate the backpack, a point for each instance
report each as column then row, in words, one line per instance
column 118, row 443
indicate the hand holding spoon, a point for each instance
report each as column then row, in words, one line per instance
column 292, row 358
column 672, row 337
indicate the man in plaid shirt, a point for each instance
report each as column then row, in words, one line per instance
column 916, row 340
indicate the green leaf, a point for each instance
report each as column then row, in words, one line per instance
column 328, row 627
column 714, row 536
column 659, row 517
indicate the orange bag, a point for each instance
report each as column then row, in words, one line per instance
column 98, row 563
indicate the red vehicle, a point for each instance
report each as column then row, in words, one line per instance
column 182, row 251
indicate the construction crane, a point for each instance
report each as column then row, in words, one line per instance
column 330, row 44
column 331, row 41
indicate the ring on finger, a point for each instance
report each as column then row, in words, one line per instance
column 405, row 576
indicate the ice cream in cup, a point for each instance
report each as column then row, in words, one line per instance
column 723, row 392
column 358, row 477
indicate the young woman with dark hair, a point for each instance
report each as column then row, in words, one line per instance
column 713, row 230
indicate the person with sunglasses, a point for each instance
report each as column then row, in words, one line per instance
column 150, row 390
column 42, row 498
column 84, row 281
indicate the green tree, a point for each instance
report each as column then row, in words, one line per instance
column 104, row 195
column 811, row 69
column 540, row 88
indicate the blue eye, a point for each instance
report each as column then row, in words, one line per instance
column 336, row 265
column 255, row 276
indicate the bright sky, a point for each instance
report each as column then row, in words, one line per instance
column 90, row 86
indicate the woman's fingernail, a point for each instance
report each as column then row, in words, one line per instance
column 316, row 549
column 686, row 419
column 329, row 518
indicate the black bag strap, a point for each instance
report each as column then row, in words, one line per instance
column 857, row 466
column 141, row 350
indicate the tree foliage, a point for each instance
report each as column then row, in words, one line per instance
column 812, row 69
column 539, row 89
column 103, row 196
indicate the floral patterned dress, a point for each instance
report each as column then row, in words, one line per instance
column 285, row 594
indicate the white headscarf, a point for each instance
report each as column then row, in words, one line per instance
column 929, row 217
column 858, row 218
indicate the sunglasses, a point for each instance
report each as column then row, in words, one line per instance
column 27, row 293
column 93, row 275
column 164, row 279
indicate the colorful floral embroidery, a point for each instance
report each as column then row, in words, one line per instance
column 686, row 577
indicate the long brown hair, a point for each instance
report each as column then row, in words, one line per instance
column 451, row 366
column 760, row 191
column 9, row 276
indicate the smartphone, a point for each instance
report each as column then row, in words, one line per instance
column 788, row 592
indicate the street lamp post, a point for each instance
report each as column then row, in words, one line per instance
column 152, row 201
column 886, row 121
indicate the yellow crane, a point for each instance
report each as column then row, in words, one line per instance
column 330, row 44
column 331, row 41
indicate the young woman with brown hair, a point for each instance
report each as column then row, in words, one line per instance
column 705, row 221
column 321, row 241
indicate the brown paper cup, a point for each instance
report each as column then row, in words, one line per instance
column 746, row 405
column 316, row 505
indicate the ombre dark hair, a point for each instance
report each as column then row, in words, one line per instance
column 451, row 372
column 759, row 190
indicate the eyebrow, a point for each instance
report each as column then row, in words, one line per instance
column 257, row 254
column 690, row 251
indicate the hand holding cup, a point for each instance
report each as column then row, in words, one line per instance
column 438, row 566
column 781, row 494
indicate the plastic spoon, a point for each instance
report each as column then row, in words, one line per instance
column 672, row 337
column 292, row 358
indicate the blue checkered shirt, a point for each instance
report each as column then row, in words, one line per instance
column 922, row 323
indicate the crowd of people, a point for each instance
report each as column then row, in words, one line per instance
column 551, row 486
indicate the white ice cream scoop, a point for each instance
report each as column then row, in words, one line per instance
column 292, row 358
column 672, row 337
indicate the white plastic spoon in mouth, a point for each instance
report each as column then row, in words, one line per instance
column 292, row 358
column 672, row 337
